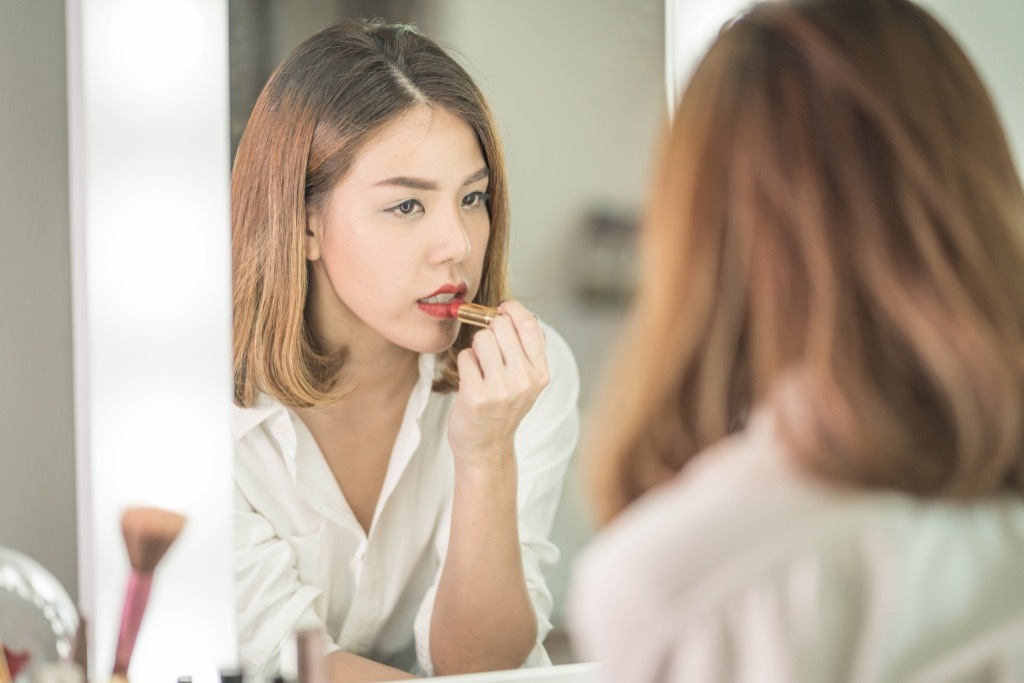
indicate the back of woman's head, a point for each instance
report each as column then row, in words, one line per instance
column 314, row 116
column 835, row 231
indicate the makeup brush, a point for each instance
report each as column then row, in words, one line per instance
column 474, row 314
column 11, row 662
column 148, row 533
column 5, row 673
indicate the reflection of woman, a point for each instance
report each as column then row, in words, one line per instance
column 397, row 475
column 828, row 347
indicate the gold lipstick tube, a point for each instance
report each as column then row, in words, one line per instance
column 475, row 314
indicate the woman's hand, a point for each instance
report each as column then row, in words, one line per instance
column 500, row 377
column 483, row 619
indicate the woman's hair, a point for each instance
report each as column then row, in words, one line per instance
column 835, row 229
column 314, row 116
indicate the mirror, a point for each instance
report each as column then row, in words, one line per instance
column 577, row 87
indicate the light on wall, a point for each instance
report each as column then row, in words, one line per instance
column 690, row 28
column 148, row 118
column 153, row 65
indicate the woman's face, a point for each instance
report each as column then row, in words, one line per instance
column 403, row 233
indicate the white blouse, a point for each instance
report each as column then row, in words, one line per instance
column 743, row 569
column 303, row 560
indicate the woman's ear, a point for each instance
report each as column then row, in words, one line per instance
column 314, row 236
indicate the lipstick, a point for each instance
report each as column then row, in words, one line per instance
column 473, row 314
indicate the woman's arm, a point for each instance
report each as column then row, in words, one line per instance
column 350, row 668
column 483, row 615
column 483, row 619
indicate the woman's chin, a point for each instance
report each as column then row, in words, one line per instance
column 437, row 341
column 444, row 342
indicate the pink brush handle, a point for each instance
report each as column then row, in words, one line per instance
column 135, row 600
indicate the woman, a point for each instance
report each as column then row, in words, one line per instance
column 397, row 474
column 820, row 403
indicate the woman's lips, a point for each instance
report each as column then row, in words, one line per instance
column 456, row 290
column 441, row 309
column 444, row 297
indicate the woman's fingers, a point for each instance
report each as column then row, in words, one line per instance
column 529, row 334
column 509, row 355
column 488, row 350
column 470, row 371
column 513, row 346
column 506, row 366
column 501, row 375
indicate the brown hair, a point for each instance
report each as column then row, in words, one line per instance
column 834, row 229
column 317, row 111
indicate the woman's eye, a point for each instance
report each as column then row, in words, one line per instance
column 406, row 208
column 475, row 198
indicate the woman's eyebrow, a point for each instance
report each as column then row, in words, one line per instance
column 424, row 184
column 479, row 175
column 406, row 181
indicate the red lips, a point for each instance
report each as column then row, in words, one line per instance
column 459, row 290
column 444, row 311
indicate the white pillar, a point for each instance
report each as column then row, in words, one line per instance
column 690, row 28
column 149, row 169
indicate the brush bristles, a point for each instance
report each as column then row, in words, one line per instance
column 148, row 533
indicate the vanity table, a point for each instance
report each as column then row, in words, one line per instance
column 566, row 673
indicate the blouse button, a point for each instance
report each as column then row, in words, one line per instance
column 356, row 563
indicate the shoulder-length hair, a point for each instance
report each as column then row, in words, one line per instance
column 835, row 230
column 317, row 111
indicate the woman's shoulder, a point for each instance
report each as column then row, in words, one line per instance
column 742, row 510
column 743, row 536
column 245, row 419
column 731, row 506
column 265, row 439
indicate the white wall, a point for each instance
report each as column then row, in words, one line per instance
column 37, row 467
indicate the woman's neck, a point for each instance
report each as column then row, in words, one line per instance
column 383, row 373
column 378, row 378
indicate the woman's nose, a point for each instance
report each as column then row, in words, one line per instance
column 451, row 243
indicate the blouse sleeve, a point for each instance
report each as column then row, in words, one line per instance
column 544, row 443
column 272, row 602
